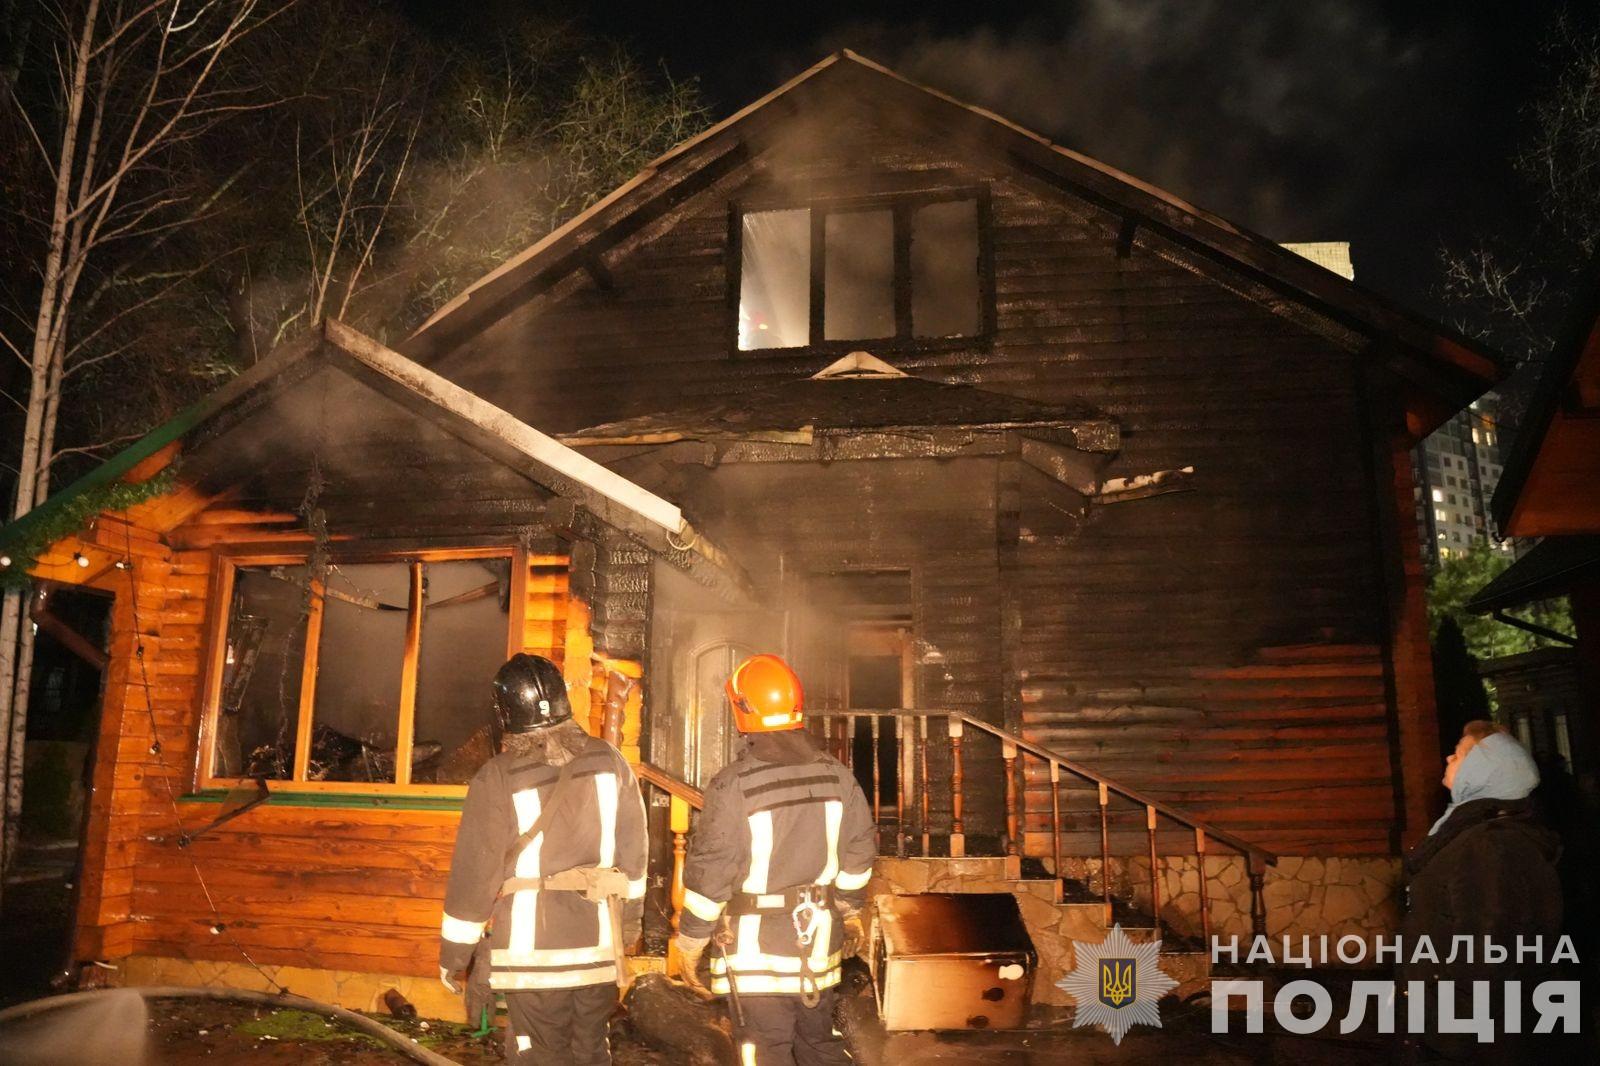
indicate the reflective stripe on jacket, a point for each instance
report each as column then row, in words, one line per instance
column 544, row 939
column 769, row 827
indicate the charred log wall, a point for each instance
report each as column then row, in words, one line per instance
column 1223, row 647
column 322, row 880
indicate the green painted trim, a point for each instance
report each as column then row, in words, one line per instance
column 110, row 471
column 175, row 428
column 346, row 800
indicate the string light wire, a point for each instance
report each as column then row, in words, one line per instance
column 218, row 926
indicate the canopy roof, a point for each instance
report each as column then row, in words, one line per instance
column 856, row 393
column 1549, row 569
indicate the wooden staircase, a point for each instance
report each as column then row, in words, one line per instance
column 1059, row 914
column 924, row 845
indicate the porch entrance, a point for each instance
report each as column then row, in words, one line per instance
column 878, row 677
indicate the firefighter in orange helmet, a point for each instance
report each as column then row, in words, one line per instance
column 777, row 869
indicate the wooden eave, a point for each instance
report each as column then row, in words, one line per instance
column 1547, row 486
column 636, row 512
column 1443, row 369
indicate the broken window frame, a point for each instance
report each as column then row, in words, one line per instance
column 903, row 204
column 220, row 614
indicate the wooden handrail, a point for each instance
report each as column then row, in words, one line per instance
column 683, row 798
column 675, row 786
column 1257, row 855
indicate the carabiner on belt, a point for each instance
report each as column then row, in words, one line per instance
column 806, row 915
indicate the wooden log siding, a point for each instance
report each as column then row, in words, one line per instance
column 1148, row 600
column 159, row 608
column 356, row 888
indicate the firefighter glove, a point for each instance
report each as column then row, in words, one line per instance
column 854, row 934
column 690, row 950
column 450, row 980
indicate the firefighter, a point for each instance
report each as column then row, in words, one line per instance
column 550, row 859
column 775, row 877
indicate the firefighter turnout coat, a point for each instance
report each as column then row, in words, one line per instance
column 781, row 817
column 543, row 938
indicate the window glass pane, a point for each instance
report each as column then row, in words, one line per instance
column 944, row 270
column 357, row 705
column 858, row 275
column 464, row 631
column 260, row 704
column 775, row 280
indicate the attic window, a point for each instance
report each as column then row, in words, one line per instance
column 906, row 269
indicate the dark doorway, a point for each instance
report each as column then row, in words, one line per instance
column 63, row 724
column 876, row 681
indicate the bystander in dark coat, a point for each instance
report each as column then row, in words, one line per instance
column 1486, row 872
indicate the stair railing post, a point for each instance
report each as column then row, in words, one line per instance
column 877, row 790
column 678, row 822
column 1205, row 904
column 925, row 819
column 958, row 836
column 1055, row 816
column 1258, row 903
column 901, row 764
column 1155, row 868
column 1105, row 850
column 1008, row 752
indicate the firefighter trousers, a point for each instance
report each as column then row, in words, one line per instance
column 561, row 1025
column 783, row 1031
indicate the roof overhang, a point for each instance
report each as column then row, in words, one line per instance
column 1547, row 486
column 627, row 507
column 1551, row 568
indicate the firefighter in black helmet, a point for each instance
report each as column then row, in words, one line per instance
column 550, row 862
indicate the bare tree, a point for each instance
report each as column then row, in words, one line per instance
column 201, row 179
column 133, row 81
column 1513, row 289
column 413, row 171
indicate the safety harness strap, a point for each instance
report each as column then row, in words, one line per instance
column 780, row 902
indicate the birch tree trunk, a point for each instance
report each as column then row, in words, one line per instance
column 134, row 79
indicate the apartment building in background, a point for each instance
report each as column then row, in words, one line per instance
column 1455, row 471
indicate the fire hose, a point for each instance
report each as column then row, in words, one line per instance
column 377, row 1030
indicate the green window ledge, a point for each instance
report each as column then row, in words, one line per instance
column 337, row 800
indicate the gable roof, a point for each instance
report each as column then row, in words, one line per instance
column 1555, row 455
column 1448, row 367
column 337, row 355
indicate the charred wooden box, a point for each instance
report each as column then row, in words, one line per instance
column 944, row 961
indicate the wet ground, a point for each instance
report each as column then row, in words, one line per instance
column 1185, row 1038
column 33, row 938
column 188, row 1032
column 185, row 1032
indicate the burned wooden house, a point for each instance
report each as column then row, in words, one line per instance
column 1083, row 513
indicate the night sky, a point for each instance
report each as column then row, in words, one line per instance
column 1389, row 125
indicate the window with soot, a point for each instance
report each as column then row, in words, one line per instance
column 901, row 271
column 376, row 675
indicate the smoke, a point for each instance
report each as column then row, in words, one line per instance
column 1282, row 117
